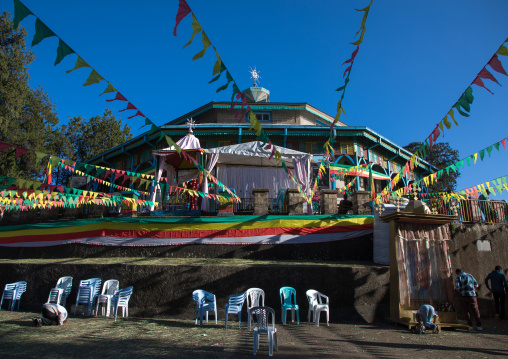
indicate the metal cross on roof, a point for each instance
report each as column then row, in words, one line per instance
column 191, row 123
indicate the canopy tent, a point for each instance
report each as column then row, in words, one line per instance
column 254, row 154
column 171, row 161
column 249, row 165
column 336, row 169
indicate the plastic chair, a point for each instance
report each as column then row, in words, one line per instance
column 205, row 302
column 263, row 316
column 64, row 283
column 255, row 298
column 121, row 300
column 316, row 306
column 234, row 306
column 13, row 292
column 55, row 295
column 277, row 203
column 288, row 301
column 108, row 290
column 87, row 292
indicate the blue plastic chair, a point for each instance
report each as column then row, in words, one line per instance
column 13, row 292
column 278, row 203
column 205, row 302
column 288, row 300
column 234, row 306
column 121, row 300
column 87, row 292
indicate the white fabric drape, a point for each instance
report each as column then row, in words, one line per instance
column 209, row 167
column 302, row 169
column 245, row 179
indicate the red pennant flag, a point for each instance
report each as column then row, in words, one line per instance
column 478, row 81
column 139, row 113
column 183, row 11
column 4, row 146
column 503, row 142
column 485, row 74
column 130, row 106
column 353, row 55
column 118, row 96
column 496, row 65
column 20, row 151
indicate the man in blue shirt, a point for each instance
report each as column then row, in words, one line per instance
column 498, row 288
column 466, row 285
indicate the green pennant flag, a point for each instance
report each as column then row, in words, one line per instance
column 88, row 167
column 439, row 173
column 206, row 44
column 503, row 51
column 345, row 84
column 152, row 129
column 196, row 29
column 79, row 64
column 62, row 51
column 94, row 78
column 482, row 154
column 99, row 171
column 263, row 137
column 108, row 89
column 468, row 160
column 40, row 156
column 29, row 184
column 489, row 150
column 20, row 12
column 172, row 143
column 68, row 190
column 41, row 32
column 452, row 167
column 229, row 78
column 496, row 145
column 221, row 70
column 147, row 122
column 235, row 91
column 69, row 162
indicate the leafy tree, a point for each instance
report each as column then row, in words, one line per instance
column 28, row 117
column 441, row 156
column 92, row 137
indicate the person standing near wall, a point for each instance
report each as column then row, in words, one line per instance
column 466, row 284
column 498, row 288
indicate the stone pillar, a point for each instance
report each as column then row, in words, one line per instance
column 293, row 202
column 328, row 201
column 260, row 201
column 361, row 202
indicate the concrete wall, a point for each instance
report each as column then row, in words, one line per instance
column 466, row 253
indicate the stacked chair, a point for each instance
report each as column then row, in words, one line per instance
column 109, row 288
column 121, row 300
column 13, row 292
column 88, row 292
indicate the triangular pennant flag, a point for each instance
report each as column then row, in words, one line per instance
column 20, row 151
column 94, row 78
column 489, row 150
column 79, row 64
column 496, row 65
column 196, row 28
column 496, row 145
column 478, row 81
column 20, row 12
column 222, row 69
column 468, row 160
column 503, row 51
column 206, row 44
column 130, row 106
column 482, row 154
column 4, row 146
column 41, row 32
column 485, row 74
column 139, row 113
column 503, row 142
column 118, row 97
column 183, row 11
column 108, row 89
column 62, row 51
column 229, row 78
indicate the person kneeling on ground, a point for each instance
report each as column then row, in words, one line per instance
column 424, row 317
column 52, row 314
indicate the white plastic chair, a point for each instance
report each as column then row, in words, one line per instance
column 13, row 292
column 262, row 316
column 205, row 302
column 121, row 300
column 255, row 298
column 87, row 292
column 64, row 283
column 234, row 306
column 108, row 290
column 316, row 306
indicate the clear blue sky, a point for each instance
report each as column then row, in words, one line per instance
column 416, row 59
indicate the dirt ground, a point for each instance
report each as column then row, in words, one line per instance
column 90, row 337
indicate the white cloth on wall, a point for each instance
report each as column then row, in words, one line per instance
column 209, row 167
column 245, row 179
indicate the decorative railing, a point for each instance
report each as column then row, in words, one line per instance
column 473, row 210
